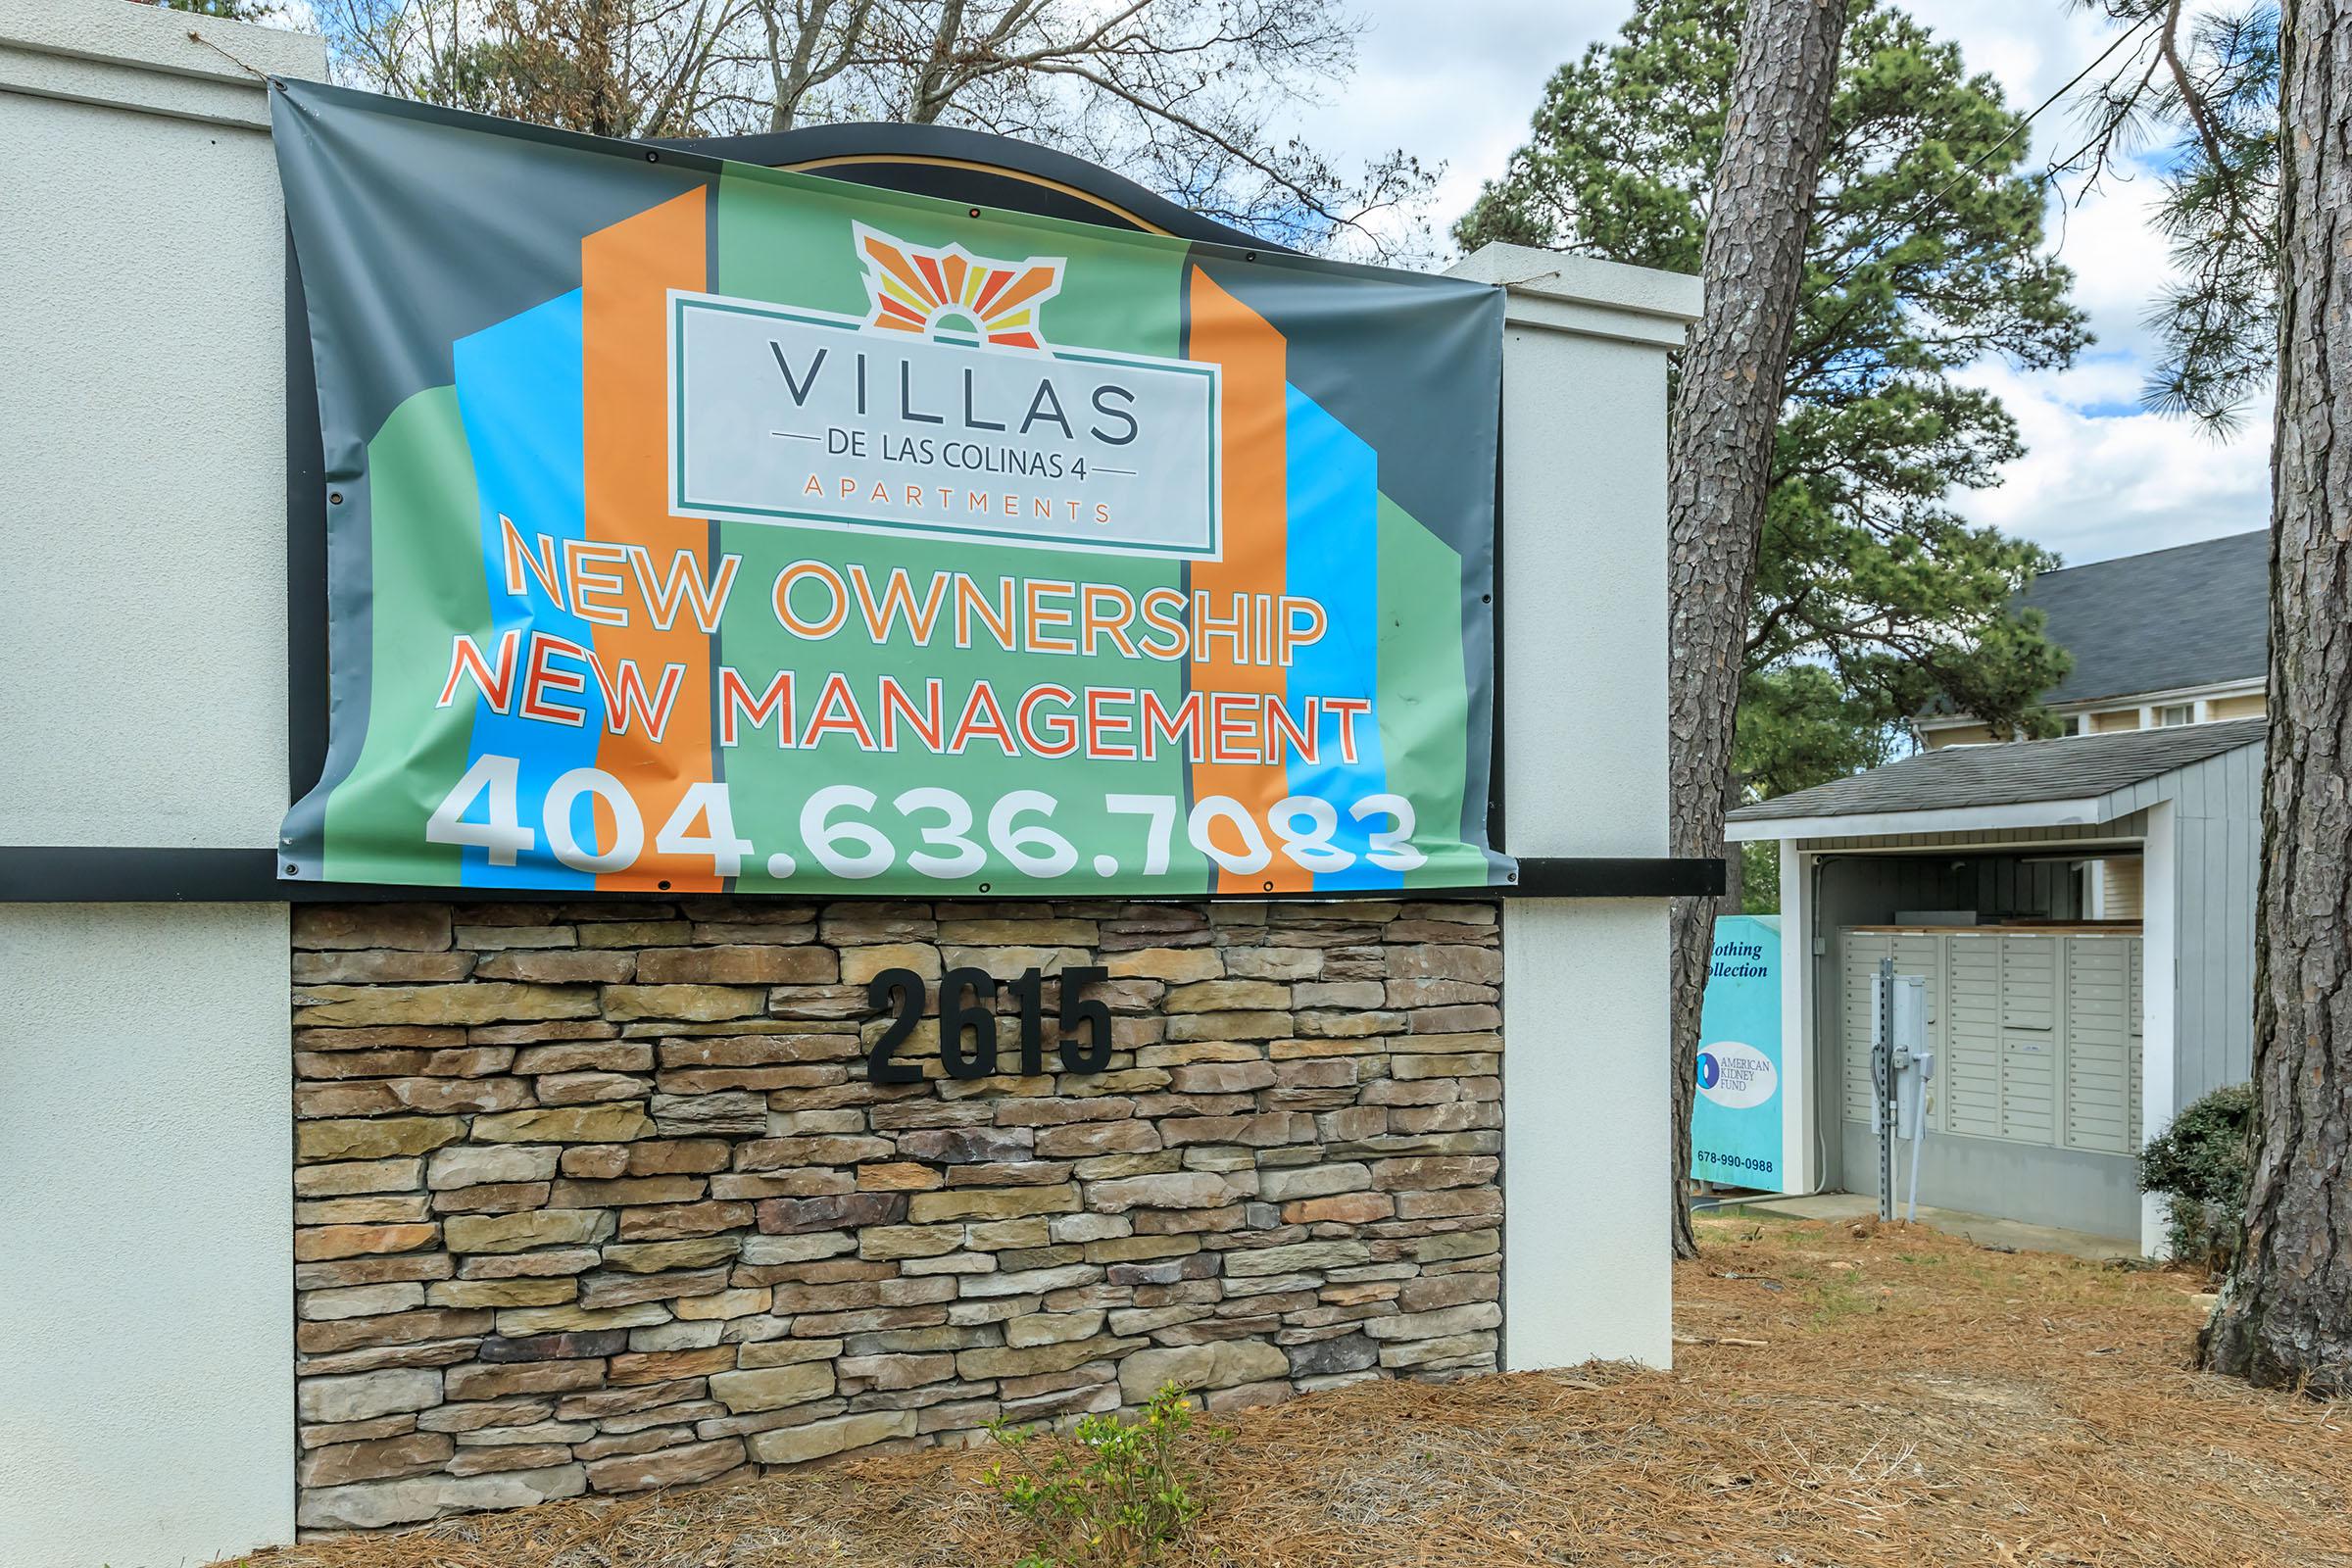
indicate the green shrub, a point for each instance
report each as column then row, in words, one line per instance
column 2202, row 1164
column 1124, row 1498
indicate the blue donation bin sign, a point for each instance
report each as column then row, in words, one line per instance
column 1736, row 1120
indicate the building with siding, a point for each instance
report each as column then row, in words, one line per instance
column 2064, row 1036
column 2159, row 640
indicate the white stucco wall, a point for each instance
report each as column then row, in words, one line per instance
column 146, row 1272
column 1587, row 1096
column 1587, row 1111
column 146, row 1243
column 142, row 428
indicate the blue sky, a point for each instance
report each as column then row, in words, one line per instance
column 2100, row 476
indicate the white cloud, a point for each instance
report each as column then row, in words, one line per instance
column 2092, row 487
column 2100, row 478
column 2119, row 260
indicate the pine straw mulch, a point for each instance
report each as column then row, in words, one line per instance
column 1842, row 1395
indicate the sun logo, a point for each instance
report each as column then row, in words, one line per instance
column 914, row 289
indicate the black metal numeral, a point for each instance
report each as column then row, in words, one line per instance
column 907, row 988
column 1030, row 992
column 1092, row 1012
column 964, row 1003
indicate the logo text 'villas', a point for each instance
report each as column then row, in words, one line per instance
column 912, row 289
column 943, row 411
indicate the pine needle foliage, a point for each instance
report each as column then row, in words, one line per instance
column 1926, row 260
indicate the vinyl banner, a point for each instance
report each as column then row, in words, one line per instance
column 695, row 525
column 1735, row 1122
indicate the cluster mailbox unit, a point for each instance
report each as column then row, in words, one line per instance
column 2035, row 1029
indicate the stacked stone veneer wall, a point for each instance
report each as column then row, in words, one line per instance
column 599, row 1198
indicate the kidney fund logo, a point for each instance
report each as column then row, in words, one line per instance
column 1736, row 1075
column 953, row 292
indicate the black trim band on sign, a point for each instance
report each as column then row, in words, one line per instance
column 104, row 875
column 1599, row 877
column 974, row 167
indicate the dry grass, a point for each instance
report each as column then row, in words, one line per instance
column 1913, row 1399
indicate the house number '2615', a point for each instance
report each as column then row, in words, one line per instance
column 966, row 1006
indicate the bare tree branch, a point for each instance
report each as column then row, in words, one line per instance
column 1174, row 94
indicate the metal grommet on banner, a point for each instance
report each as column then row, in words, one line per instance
column 334, row 497
column 984, row 887
column 972, row 211
column 663, row 887
column 652, row 158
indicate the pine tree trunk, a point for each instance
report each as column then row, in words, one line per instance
column 1719, row 454
column 2286, row 1312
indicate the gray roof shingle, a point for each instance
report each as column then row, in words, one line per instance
column 2192, row 615
column 1955, row 778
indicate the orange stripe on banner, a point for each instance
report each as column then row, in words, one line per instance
column 1229, row 333
column 627, row 272
column 1031, row 283
column 895, row 264
column 989, row 290
column 931, row 275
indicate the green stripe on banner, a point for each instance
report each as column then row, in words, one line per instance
column 1423, row 705
column 427, row 563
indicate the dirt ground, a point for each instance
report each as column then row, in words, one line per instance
column 1897, row 1397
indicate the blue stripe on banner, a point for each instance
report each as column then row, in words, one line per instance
column 518, row 393
column 1334, row 498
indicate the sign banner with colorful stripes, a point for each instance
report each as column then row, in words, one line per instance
column 695, row 525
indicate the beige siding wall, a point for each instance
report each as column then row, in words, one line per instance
column 2121, row 889
column 2105, row 722
column 2249, row 705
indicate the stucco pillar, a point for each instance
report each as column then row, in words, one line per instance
column 146, row 1268
column 1583, row 609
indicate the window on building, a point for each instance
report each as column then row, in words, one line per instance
column 2070, row 724
column 2177, row 713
